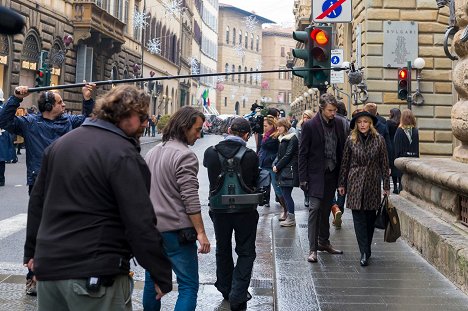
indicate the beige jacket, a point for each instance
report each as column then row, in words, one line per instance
column 174, row 184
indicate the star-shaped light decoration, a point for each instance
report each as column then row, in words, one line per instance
column 139, row 20
column 219, row 79
column 251, row 23
column 154, row 46
column 173, row 7
column 239, row 50
column 194, row 66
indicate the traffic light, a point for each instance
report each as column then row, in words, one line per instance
column 403, row 83
column 302, row 37
column 319, row 55
column 40, row 77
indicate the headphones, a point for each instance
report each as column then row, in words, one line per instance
column 48, row 105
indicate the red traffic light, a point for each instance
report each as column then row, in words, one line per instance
column 402, row 74
column 319, row 36
column 40, row 73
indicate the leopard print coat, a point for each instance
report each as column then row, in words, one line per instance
column 363, row 167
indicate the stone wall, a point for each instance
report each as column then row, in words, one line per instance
column 434, row 116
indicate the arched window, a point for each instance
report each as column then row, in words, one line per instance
column 256, row 77
column 251, row 75
column 245, row 76
column 251, row 41
column 234, row 36
column 226, row 69
column 247, row 40
column 233, row 71
column 227, row 34
column 239, row 75
column 258, row 44
column 240, row 37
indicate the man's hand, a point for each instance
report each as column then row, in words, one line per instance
column 304, row 186
column 159, row 293
column 204, row 243
column 341, row 190
column 275, row 169
column 21, row 91
column 88, row 90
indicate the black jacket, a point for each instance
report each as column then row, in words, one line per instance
column 287, row 161
column 228, row 148
column 403, row 147
column 268, row 152
column 312, row 154
column 90, row 209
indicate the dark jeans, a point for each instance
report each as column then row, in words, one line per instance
column 234, row 281
column 319, row 213
column 364, row 228
column 287, row 195
column 2, row 172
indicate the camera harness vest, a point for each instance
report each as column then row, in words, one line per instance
column 232, row 194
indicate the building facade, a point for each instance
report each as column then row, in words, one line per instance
column 239, row 50
column 365, row 41
column 276, row 52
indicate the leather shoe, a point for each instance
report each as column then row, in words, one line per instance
column 364, row 260
column 312, row 256
column 329, row 249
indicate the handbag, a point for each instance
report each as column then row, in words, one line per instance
column 382, row 216
column 392, row 231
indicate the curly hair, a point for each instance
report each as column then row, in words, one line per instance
column 326, row 99
column 120, row 102
column 180, row 122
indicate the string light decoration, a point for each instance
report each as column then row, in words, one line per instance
column 239, row 50
column 173, row 7
column 250, row 23
column 154, row 46
column 139, row 20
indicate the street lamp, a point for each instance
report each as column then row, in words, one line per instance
column 418, row 64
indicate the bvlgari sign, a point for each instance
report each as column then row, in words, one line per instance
column 400, row 43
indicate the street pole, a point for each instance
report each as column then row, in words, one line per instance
column 409, row 98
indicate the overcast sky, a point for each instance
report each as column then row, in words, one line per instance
column 279, row 11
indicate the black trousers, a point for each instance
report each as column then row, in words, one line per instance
column 231, row 281
column 319, row 213
column 364, row 228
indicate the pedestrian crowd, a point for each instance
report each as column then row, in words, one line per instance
column 96, row 203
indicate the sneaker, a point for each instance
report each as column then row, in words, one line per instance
column 289, row 222
column 31, row 287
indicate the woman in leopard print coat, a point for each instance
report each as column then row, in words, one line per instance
column 364, row 166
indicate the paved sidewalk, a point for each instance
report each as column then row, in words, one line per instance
column 398, row 278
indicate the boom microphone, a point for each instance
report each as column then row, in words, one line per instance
column 11, row 23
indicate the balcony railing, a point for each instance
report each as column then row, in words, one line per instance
column 90, row 20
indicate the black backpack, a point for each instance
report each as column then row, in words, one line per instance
column 232, row 194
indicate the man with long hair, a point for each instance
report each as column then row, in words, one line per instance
column 90, row 212
column 174, row 193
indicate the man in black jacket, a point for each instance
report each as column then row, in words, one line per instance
column 90, row 212
column 320, row 153
column 234, row 282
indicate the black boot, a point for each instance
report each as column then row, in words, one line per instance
column 364, row 260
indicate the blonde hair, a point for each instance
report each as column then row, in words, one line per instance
column 355, row 131
column 308, row 113
column 271, row 120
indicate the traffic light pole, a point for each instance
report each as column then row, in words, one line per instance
column 409, row 98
